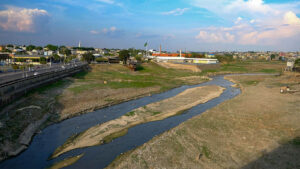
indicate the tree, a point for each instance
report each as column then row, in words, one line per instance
column 297, row 62
column 272, row 56
column 39, row 48
column 65, row 51
column 43, row 60
column 225, row 58
column 56, row 57
column 133, row 52
column 30, row 48
column 124, row 56
column 88, row 57
column 52, row 47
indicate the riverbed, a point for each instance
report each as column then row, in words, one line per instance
column 45, row 143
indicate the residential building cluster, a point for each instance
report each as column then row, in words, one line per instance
column 15, row 54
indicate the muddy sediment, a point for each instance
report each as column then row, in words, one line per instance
column 102, row 133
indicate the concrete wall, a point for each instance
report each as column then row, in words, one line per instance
column 15, row 89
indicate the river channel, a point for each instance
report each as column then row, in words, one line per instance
column 45, row 143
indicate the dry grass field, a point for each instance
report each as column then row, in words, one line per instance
column 258, row 129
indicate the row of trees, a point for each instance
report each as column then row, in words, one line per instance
column 123, row 56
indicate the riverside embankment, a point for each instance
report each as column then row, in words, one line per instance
column 44, row 144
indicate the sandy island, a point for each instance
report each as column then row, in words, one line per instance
column 105, row 132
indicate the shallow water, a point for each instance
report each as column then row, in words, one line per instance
column 45, row 143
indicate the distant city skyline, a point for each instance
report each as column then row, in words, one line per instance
column 193, row 25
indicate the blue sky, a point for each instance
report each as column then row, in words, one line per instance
column 195, row 25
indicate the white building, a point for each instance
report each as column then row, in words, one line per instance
column 186, row 60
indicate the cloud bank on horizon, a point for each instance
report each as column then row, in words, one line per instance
column 199, row 25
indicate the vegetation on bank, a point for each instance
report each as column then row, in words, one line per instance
column 247, row 67
column 249, row 131
column 119, row 76
column 47, row 99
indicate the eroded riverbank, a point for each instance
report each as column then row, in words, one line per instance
column 100, row 156
column 103, row 133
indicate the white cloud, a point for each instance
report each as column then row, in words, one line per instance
column 176, row 12
column 215, row 37
column 238, row 20
column 269, row 23
column 23, row 19
column 291, row 18
column 94, row 32
column 109, row 30
column 113, row 29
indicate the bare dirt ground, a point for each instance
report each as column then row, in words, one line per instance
column 89, row 101
column 151, row 112
column 193, row 68
column 257, row 129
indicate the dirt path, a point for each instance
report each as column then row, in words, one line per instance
column 257, row 129
column 151, row 112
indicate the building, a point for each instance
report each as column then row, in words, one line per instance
column 186, row 60
column 28, row 59
column 290, row 65
column 48, row 53
column 2, row 47
column 4, row 58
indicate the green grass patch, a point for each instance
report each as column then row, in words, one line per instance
column 206, row 151
column 132, row 113
column 81, row 88
column 149, row 75
column 44, row 88
column 268, row 71
column 250, row 82
column 66, row 162
column 296, row 141
column 112, row 136
column 80, row 75
column 234, row 68
column 155, row 113
column 134, row 84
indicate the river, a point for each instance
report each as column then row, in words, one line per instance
column 44, row 143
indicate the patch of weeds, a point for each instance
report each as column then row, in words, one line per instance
column 82, row 88
column 268, row 71
column 155, row 113
column 112, row 136
column 46, row 87
column 134, row 84
column 135, row 158
column 69, row 141
column 80, row 75
column 132, row 113
column 182, row 111
column 180, row 132
column 296, row 141
column 206, row 152
column 66, row 162
column 204, row 72
column 139, row 68
column 109, row 100
column 251, row 82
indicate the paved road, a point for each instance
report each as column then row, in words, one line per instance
column 7, row 77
